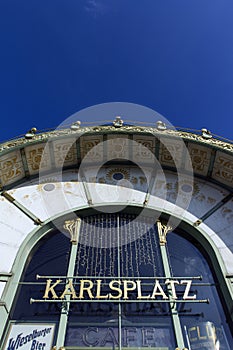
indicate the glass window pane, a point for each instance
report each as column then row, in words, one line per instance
column 50, row 258
column 203, row 324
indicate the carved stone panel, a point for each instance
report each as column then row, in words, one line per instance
column 91, row 148
column 11, row 168
column 38, row 158
column 223, row 168
column 200, row 157
column 171, row 152
column 117, row 147
column 65, row 152
column 143, row 149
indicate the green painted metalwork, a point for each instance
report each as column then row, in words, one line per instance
column 71, row 267
column 167, row 272
column 119, row 273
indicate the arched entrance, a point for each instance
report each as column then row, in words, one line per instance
column 134, row 286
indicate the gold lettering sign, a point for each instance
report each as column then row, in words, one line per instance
column 116, row 289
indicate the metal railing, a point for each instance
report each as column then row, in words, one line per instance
column 126, row 123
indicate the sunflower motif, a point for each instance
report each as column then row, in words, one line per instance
column 117, row 174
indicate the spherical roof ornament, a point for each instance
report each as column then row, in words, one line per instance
column 31, row 133
column 206, row 134
column 75, row 125
column 161, row 125
column 118, row 122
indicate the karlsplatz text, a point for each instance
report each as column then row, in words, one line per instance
column 118, row 289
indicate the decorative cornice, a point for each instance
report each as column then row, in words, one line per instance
column 25, row 157
column 144, row 130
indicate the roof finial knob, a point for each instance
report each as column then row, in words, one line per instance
column 31, row 133
column 161, row 125
column 118, row 122
column 75, row 125
column 206, row 134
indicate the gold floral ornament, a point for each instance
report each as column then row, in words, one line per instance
column 72, row 227
column 163, row 231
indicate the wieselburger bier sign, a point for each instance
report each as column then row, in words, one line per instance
column 30, row 336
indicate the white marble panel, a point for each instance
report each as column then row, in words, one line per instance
column 14, row 227
column 74, row 194
column 227, row 256
column 161, row 205
column 219, row 243
column 205, row 196
column 13, row 221
column 8, row 255
column 2, row 286
column 103, row 194
column 196, row 195
column 46, row 200
column 30, row 197
column 221, row 222
column 54, row 201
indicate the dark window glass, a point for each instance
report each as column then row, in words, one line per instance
column 50, row 259
column 203, row 324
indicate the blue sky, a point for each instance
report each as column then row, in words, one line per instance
column 60, row 56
